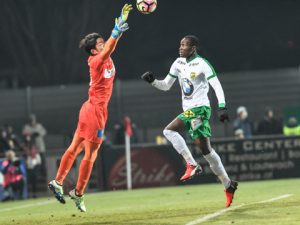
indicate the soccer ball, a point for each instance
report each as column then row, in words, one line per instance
column 146, row 6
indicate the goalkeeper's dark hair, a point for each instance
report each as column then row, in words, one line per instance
column 194, row 41
column 89, row 42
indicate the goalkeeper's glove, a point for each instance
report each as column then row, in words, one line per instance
column 120, row 23
column 148, row 77
column 125, row 12
column 119, row 28
column 223, row 114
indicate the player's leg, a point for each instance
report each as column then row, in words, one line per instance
column 213, row 159
column 66, row 163
column 85, row 170
column 68, row 158
column 86, row 166
column 171, row 132
column 217, row 167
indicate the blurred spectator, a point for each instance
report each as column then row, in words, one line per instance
column 5, row 143
column 269, row 124
column 1, row 186
column 13, row 137
column 292, row 127
column 134, row 138
column 239, row 134
column 160, row 140
column 37, row 133
column 33, row 162
column 13, row 182
column 242, row 122
column 119, row 134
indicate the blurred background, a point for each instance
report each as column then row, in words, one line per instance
column 254, row 47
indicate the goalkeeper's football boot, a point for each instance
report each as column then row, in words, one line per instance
column 57, row 191
column 78, row 200
column 191, row 171
column 229, row 192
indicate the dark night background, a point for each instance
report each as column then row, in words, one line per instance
column 39, row 38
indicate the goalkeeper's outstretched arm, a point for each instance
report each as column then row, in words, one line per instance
column 120, row 27
column 163, row 85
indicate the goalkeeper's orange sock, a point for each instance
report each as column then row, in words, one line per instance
column 66, row 163
column 85, row 171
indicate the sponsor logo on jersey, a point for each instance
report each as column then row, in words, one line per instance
column 193, row 75
column 181, row 62
column 188, row 97
column 109, row 73
column 194, row 64
column 187, row 87
column 188, row 113
column 178, row 70
column 196, row 123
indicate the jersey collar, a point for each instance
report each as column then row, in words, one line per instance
column 188, row 60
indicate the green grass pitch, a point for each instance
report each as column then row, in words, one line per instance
column 171, row 205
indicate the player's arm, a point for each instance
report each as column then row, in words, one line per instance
column 216, row 85
column 163, row 85
column 108, row 49
column 120, row 26
column 213, row 80
column 222, row 110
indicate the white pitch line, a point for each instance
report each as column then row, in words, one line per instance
column 275, row 199
column 212, row 215
column 221, row 212
column 27, row 206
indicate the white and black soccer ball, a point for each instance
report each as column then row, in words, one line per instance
column 146, row 6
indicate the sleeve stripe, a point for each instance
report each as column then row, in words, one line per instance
column 214, row 75
column 221, row 105
column 172, row 75
column 212, row 68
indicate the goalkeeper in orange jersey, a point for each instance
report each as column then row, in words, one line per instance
column 93, row 113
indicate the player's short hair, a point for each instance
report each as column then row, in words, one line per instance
column 194, row 41
column 89, row 42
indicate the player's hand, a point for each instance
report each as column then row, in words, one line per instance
column 119, row 28
column 148, row 77
column 125, row 12
column 121, row 25
column 223, row 114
